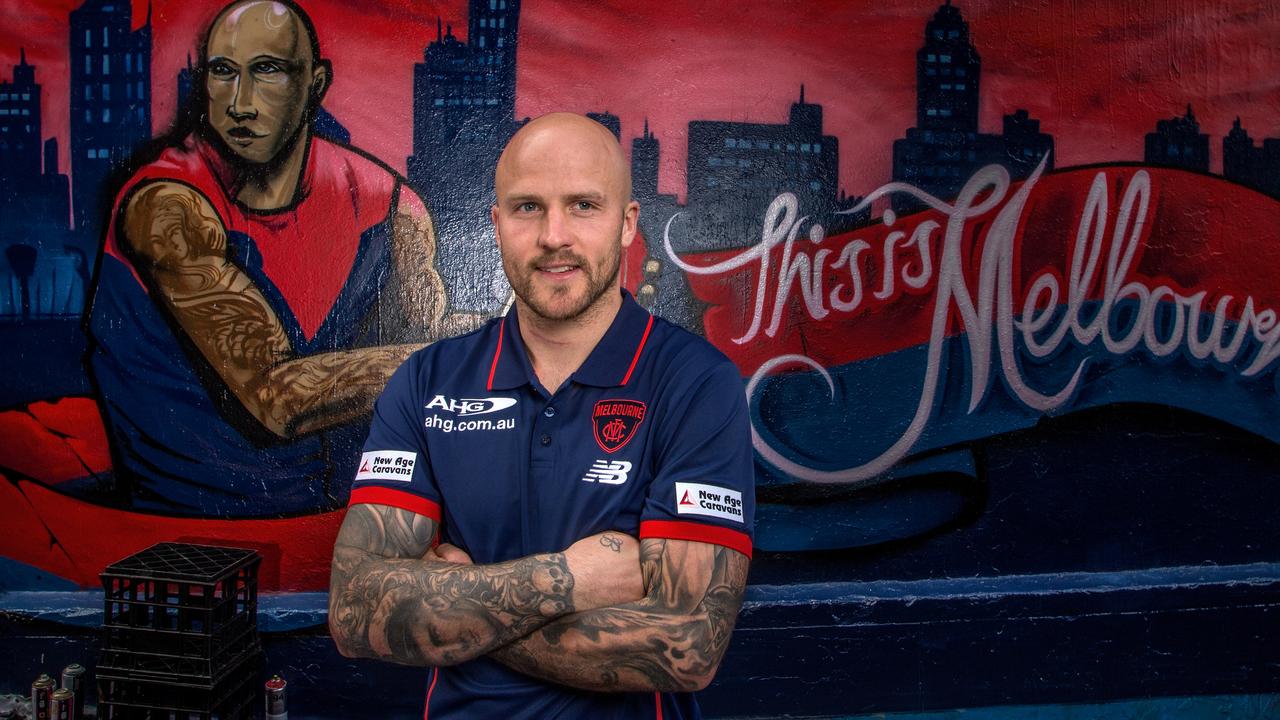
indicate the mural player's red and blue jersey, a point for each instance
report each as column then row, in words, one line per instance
column 182, row 443
column 650, row 437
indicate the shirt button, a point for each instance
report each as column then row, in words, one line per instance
column 549, row 411
column 546, row 439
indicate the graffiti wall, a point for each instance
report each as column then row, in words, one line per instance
column 998, row 277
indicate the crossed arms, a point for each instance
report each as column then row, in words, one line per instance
column 607, row 614
column 178, row 245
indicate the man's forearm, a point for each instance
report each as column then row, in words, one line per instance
column 387, row 601
column 671, row 641
column 423, row 612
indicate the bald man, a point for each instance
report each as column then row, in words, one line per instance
column 255, row 283
column 554, row 511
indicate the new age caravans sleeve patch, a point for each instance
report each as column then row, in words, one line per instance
column 703, row 488
column 393, row 469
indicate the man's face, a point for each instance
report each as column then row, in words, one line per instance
column 562, row 218
column 260, row 79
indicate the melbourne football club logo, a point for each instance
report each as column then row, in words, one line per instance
column 615, row 422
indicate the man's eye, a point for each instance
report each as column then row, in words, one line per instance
column 266, row 68
column 584, row 205
column 220, row 70
column 526, row 207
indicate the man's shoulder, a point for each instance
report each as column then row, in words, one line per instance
column 681, row 351
column 180, row 164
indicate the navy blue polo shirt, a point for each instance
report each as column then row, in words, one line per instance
column 650, row 436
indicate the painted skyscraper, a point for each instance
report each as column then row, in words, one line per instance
column 1248, row 164
column 944, row 148
column 463, row 114
column 1178, row 142
column 40, row 275
column 110, row 102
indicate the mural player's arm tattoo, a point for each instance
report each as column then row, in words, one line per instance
column 387, row 601
column 179, row 246
column 419, row 289
column 672, row 640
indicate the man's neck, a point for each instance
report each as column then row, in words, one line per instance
column 557, row 348
column 276, row 188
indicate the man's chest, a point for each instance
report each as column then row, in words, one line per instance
column 520, row 473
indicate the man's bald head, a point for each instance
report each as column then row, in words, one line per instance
column 284, row 21
column 557, row 133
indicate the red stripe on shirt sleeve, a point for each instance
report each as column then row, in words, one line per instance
column 395, row 498
column 676, row 530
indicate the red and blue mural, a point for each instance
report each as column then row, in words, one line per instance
column 998, row 278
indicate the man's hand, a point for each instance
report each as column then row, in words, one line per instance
column 444, row 552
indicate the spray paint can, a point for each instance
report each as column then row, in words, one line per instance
column 73, row 680
column 277, row 704
column 42, row 697
column 64, row 705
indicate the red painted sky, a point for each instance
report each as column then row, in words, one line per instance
column 1097, row 73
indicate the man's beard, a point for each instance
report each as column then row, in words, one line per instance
column 599, row 281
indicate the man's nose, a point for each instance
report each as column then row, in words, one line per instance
column 242, row 107
column 555, row 229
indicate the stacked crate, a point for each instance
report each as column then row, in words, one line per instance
column 180, row 634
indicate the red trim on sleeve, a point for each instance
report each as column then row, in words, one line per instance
column 657, row 705
column 497, row 353
column 643, row 339
column 426, row 707
column 677, row 530
column 395, row 498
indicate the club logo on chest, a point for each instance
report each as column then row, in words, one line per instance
column 614, row 422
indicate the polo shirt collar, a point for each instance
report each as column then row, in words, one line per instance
column 610, row 363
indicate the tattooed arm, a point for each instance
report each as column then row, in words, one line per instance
column 418, row 288
column 391, row 598
column 179, row 246
column 672, row 640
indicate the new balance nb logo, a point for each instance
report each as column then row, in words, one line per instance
column 608, row 472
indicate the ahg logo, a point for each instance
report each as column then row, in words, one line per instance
column 470, row 406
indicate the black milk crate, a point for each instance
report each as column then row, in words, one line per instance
column 178, row 589
column 146, row 652
column 231, row 695
column 180, row 634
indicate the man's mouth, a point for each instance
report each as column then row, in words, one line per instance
column 243, row 133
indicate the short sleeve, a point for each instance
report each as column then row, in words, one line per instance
column 704, row 485
column 394, row 467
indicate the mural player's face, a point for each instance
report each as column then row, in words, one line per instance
column 563, row 215
column 261, row 76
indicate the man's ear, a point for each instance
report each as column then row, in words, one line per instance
column 321, row 79
column 493, row 217
column 630, row 223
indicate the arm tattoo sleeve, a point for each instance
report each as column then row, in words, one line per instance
column 179, row 246
column 386, row 601
column 672, row 640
